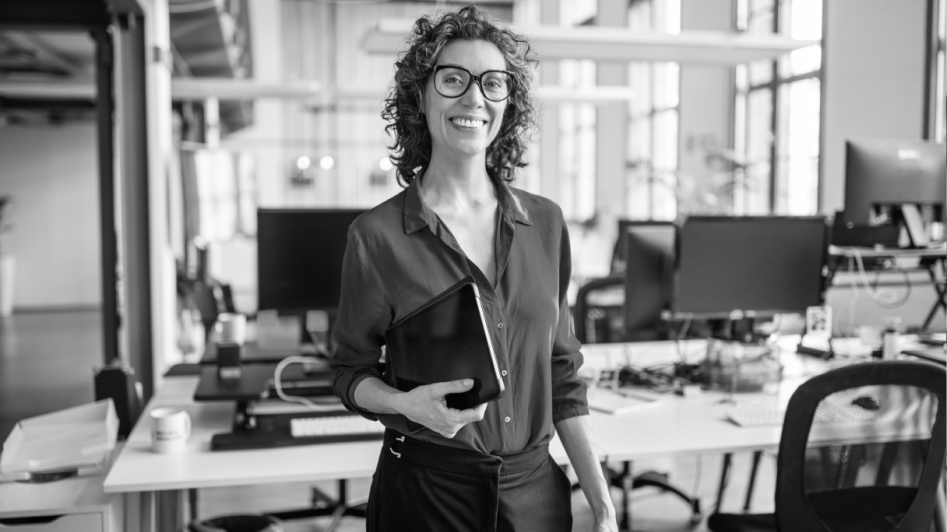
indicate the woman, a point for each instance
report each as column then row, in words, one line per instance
column 459, row 110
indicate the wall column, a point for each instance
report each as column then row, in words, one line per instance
column 873, row 81
column 705, row 115
column 611, row 129
column 549, row 114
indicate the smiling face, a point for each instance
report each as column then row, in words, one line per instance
column 464, row 126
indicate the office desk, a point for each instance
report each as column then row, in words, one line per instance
column 162, row 478
column 667, row 429
column 929, row 259
column 681, row 426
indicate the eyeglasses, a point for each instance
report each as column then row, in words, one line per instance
column 453, row 82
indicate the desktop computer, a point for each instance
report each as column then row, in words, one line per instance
column 648, row 249
column 894, row 182
column 754, row 265
column 299, row 257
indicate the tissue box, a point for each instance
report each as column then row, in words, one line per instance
column 67, row 439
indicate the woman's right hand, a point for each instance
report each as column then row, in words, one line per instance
column 426, row 405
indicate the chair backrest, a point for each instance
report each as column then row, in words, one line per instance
column 862, row 448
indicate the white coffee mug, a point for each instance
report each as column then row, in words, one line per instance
column 232, row 328
column 170, row 429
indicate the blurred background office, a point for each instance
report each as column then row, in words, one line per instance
column 139, row 138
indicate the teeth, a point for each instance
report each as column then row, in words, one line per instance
column 463, row 122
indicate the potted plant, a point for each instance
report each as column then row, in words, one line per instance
column 7, row 264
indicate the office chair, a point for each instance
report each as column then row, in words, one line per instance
column 862, row 449
column 210, row 299
column 599, row 318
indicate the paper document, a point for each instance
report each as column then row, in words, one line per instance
column 618, row 402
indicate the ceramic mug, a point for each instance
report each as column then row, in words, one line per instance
column 232, row 328
column 170, row 429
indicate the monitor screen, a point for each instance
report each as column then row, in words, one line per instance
column 893, row 172
column 649, row 274
column 760, row 264
column 299, row 257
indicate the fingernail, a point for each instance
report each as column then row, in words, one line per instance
column 467, row 382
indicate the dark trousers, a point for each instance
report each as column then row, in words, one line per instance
column 421, row 486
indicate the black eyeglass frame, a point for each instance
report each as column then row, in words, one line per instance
column 474, row 79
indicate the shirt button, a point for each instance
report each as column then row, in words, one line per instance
column 503, row 373
column 507, row 419
column 499, row 325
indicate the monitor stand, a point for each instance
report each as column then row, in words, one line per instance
column 906, row 216
column 734, row 329
column 914, row 223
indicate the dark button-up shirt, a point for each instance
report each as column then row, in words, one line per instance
column 400, row 255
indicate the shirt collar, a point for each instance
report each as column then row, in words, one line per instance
column 418, row 215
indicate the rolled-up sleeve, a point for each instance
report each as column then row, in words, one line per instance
column 360, row 326
column 568, row 390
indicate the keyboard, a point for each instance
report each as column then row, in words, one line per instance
column 764, row 416
column 308, row 427
column 756, row 416
column 287, row 430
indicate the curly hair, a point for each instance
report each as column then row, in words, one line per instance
column 411, row 151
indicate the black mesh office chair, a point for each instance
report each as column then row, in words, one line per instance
column 862, row 449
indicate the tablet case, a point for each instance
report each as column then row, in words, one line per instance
column 446, row 339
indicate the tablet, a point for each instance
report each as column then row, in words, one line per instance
column 446, row 339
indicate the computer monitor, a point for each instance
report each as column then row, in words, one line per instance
column 762, row 265
column 890, row 174
column 299, row 257
column 649, row 275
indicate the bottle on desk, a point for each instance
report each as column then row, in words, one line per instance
column 891, row 339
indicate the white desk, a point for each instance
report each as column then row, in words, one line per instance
column 939, row 254
column 138, row 469
column 69, row 505
column 668, row 429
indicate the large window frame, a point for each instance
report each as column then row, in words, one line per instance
column 653, row 119
column 937, row 128
column 777, row 115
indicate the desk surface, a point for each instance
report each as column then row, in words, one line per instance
column 139, row 469
column 848, row 251
column 667, row 429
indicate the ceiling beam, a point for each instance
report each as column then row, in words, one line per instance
column 239, row 89
column 183, row 89
column 46, row 104
column 44, row 53
column 47, row 90
column 618, row 44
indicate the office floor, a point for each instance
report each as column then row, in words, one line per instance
column 46, row 363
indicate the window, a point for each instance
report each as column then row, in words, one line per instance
column 653, row 119
column 577, row 139
column 939, row 121
column 777, row 112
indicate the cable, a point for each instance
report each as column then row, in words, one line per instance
column 680, row 337
column 886, row 298
column 696, row 489
column 279, row 388
column 852, row 302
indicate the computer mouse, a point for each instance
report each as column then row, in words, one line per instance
column 867, row 402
